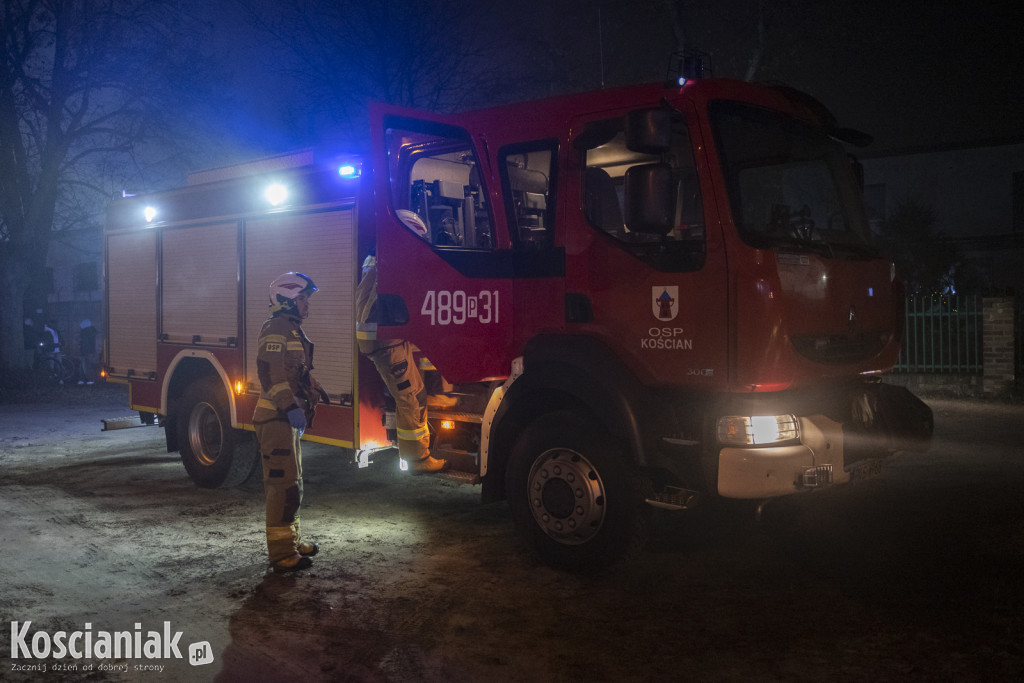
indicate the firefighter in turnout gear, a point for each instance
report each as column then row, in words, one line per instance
column 288, row 398
column 394, row 360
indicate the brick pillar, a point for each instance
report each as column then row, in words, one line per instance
column 997, row 345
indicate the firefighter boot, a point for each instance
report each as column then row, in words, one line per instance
column 304, row 548
column 427, row 465
column 294, row 563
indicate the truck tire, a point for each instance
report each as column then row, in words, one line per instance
column 214, row 454
column 574, row 497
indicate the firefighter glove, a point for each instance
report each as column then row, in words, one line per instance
column 297, row 419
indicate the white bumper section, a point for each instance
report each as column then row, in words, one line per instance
column 770, row 471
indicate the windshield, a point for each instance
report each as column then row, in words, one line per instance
column 790, row 185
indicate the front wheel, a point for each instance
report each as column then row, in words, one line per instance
column 574, row 497
column 48, row 371
column 214, row 454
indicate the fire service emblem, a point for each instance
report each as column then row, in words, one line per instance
column 665, row 302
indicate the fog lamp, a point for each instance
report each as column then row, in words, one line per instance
column 757, row 430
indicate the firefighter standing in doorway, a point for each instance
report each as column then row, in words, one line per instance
column 288, row 398
column 394, row 361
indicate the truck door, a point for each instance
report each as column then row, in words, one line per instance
column 444, row 271
column 658, row 293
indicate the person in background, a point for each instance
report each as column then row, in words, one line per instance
column 51, row 347
column 52, row 339
column 87, row 351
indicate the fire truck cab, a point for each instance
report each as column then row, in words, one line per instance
column 633, row 299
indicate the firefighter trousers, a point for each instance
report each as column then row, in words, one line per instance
column 397, row 367
column 281, row 457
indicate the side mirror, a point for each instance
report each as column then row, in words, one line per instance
column 650, row 197
column 649, row 131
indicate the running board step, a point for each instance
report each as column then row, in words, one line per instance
column 122, row 423
column 673, row 498
column 458, row 477
column 438, row 414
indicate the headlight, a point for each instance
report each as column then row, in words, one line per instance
column 758, row 429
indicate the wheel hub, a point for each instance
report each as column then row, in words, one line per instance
column 205, row 433
column 566, row 496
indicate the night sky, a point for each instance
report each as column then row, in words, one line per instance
column 912, row 73
column 926, row 73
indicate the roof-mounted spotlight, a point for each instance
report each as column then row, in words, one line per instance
column 276, row 194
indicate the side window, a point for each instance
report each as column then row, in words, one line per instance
column 436, row 188
column 607, row 161
column 528, row 180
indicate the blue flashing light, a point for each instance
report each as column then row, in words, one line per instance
column 682, row 81
column 348, row 171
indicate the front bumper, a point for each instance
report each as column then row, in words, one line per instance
column 767, row 472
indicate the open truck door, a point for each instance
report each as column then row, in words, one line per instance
column 446, row 261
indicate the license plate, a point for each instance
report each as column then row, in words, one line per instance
column 865, row 470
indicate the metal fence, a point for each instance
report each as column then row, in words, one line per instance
column 1018, row 343
column 943, row 334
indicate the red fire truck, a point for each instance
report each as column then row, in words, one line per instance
column 638, row 298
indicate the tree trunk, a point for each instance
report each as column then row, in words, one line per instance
column 13, row 285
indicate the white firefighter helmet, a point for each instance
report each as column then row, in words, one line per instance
column 285, row 288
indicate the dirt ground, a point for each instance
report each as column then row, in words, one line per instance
column 915, row 576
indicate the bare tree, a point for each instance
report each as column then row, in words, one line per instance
column 926, row 259
column 341, row 54
column 82, row 84
column 580, row 45
column 752, row 40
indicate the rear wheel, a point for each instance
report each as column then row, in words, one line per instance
column 68, row 369
column 574, row 497
column 214, row 454
column 48, row 371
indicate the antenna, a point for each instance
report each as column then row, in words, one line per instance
column 600, row 42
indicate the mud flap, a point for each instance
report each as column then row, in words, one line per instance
column 905, row 421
